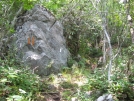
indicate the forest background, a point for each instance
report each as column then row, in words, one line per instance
column 100, row 37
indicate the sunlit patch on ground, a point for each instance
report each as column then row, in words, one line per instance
column 64, row 86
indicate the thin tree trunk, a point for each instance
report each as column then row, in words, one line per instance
column 130, row 21
column 110, row 52
column 103, row 16
column 132, row 34
column 13, row 22
column 104, row 50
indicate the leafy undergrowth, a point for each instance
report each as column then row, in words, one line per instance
column 16, row 82
column 65, row 86
column 19, row 84
column 82, row 84
column 79, row 82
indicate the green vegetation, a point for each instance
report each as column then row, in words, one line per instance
column 86, row 26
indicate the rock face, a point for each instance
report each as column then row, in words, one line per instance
column 39, row 41
column 106, row 97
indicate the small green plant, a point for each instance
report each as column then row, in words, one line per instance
column 16, row 81
column 98, row 82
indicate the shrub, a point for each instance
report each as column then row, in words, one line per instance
column 17, row 81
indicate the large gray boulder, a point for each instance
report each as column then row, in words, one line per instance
column 40, row 42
